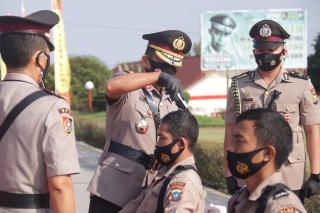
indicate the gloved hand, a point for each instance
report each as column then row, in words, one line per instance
column 232, row 184
column 311, row 187
column 171, row 84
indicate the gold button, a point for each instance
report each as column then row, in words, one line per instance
column 117, row 165
column 287, row 109
column 149, row 112
column 161, row 104
column 267, row 93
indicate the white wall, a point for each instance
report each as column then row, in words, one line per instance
column 211, row 85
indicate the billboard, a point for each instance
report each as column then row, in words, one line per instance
column 230, row 48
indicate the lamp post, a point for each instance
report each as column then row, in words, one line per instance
column 89, row 87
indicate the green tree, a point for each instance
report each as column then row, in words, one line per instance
column 83, row 68
column 314, row 64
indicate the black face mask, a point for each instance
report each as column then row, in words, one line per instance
column 44, row 71
column 267, row 62
column 162, row 66
column 241, row 166
column 164, row 155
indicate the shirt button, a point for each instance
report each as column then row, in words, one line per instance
column 267, row 93
column 161, row 104
column 287, row 109
column 117, row 165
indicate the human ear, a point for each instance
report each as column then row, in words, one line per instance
column 269, row 153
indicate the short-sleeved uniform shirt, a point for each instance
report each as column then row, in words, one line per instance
column 39, row 144
column 118, row 179
column 184, row 193
column 297, row 99
column 284, row 201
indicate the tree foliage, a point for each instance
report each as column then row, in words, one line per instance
column 314, row 65
column 83, row 68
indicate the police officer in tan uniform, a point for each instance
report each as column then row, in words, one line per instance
column 261, row 142
column 136, row 102
column 289, row 93
column 177, row 186
column 36, row 128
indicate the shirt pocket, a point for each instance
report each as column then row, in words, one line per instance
column 247, row 104
column 290, row 109
column 287, row 108
column 142, row 112
column 298, row 153
column 119, row 163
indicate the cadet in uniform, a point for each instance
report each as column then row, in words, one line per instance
column 177, row 186
column 287, row 92
column 261, row 142
column 136, row 102
column 36, row 128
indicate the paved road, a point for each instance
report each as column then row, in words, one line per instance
column 88, row 160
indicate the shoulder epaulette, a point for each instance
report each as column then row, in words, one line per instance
column 49, row 92
column 280, row 193
column 298, row 75
column 242, row 75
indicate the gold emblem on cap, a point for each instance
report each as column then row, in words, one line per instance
column 179, row 43
column 242, row 168
column 265, row 31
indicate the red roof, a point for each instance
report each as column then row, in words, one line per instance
column 189, row 73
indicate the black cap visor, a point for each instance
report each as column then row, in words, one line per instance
column 268, row 45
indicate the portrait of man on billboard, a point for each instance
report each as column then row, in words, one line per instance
column 222, row 27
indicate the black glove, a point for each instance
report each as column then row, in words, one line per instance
column 311, row 187
column 171, row 84
column 232, row 185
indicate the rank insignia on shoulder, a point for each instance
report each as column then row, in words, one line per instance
column 280, row 193
column 251, row 73
column 67, row 124
column 176, row 191
column 287, row 210
column 298, row 75
column 64, row 110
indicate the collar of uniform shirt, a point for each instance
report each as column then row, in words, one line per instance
column 21, row 77
column 166, row 171
column 273, row 179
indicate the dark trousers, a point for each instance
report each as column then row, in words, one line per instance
column 99, row 205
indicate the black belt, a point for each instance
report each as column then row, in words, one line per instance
column 24, row 201
column 136, row 155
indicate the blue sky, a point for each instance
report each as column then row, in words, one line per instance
column 112, row 30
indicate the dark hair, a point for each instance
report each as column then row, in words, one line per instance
column 16, row 49
column 182, row 123
column 271, row 129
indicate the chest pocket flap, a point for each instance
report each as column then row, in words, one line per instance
column 119, row 163
column 286, row 108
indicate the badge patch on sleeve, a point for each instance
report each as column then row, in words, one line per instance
column 287, row 210
column 314, row 96
column 66, row 120
column 67, row 124
column 176, row 191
